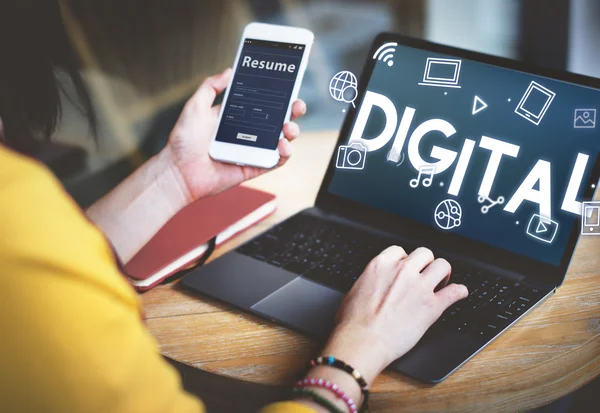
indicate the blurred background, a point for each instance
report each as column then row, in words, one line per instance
column 143, row 58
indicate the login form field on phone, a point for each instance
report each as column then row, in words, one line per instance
column 260, row 93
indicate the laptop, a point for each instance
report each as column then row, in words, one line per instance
column 490, row 176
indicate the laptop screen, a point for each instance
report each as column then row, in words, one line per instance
column 493, row 154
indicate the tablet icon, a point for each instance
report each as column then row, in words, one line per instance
column 542, row 228
column 585, row 119
column 535, row 102
column 442, row 72
column 590, row 218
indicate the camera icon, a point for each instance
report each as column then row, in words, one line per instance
column 351, row 156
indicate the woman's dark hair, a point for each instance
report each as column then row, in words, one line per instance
column 33, row 46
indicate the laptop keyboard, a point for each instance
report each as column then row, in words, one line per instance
column 329, row 253
column 335, row 255
column 493, row 303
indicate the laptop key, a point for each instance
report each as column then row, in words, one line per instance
column 502, row 320
column 299, row 266
column 325, row 278
column 509, row 314
column 275, row 262
column 487, row 330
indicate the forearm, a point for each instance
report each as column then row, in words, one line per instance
column 135, row 210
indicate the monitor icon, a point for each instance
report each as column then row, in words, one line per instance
column 441, row 72
column 535, row 102
column 590, row 218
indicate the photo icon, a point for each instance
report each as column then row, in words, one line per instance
column 585, row 119
column 351, row 156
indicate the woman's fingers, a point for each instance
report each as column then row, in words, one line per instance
column 285, row 151
column 382, row 269
column 393, row 254
column 298, row 109
column 291, row 131
column 437, row 272
column 420, row 258
column 388, row 261
column 451, row 294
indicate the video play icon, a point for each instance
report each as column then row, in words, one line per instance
column 541, row 228
column 478, row 105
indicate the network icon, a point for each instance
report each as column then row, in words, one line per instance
column 448, row 214
column 386, row 53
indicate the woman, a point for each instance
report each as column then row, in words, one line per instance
column 71, row 331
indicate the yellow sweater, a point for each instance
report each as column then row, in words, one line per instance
column 71, row 335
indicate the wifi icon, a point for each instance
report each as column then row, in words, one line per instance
column 386, row 53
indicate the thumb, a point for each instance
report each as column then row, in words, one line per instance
column 211, row 87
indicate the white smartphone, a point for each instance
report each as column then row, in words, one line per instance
column 268, row 71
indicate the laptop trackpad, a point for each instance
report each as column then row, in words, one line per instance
column 304, row 305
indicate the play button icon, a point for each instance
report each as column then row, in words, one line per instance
column 541, row 228
column 478, row 105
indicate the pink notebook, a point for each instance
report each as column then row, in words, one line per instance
column 185, row 238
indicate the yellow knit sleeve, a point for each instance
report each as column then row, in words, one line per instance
column 287, row 407
column 71, row 335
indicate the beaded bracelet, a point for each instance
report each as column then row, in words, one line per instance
column 339, row 364
column 317, row 398
column 334, row 388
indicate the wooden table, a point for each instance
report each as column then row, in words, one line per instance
column 549, row 354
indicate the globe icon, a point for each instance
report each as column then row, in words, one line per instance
column 343, row 87
column 448, row 214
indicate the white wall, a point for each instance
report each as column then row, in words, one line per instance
column 489, row 26
column 584, row 37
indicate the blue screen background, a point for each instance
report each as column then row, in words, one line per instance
column 384, row 185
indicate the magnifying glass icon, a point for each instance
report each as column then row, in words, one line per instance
column 349, row 94
column 343, row 87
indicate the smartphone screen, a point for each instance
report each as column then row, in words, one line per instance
column 260, row 93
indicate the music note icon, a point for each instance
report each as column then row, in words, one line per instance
column 424, row 170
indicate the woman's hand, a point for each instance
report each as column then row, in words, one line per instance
column 390, row 307
column 182, row 172
column 190, row 140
